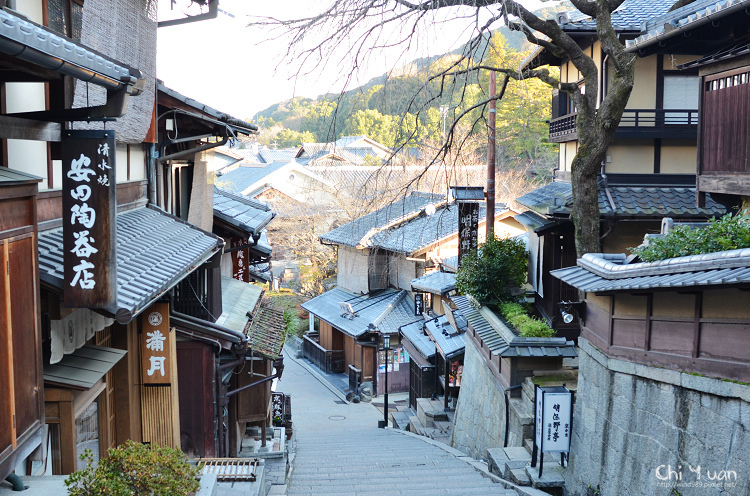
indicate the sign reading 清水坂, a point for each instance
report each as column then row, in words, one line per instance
column 157, row 346
column 553, row 418
column 89, row 228
column 468, row 228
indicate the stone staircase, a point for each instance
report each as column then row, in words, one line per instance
column 383, row 461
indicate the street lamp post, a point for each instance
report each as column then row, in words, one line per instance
column 386, row 349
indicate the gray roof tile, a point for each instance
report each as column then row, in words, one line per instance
column 628, row 17
column 414, row 332
column 504, row 342
column 241, row 178
column 447, row 339
column 155, row 251
column 245, row 213
column 435, row 283
column 353, row 233
column 687, row 17
column 627, row 201
column 388, row 310
column 597, row 272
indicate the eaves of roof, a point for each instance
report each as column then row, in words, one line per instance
column 247, row 214
column 502, row 341
column 438, row 283
column 383, row 312
column 43, row 47
column 601, row 273
column 208, row 113
column 684, row 19
column 154, row 251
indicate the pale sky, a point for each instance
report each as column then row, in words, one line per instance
column 235, row 69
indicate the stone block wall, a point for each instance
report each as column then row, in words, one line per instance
column 642, row 430
column 479, row 422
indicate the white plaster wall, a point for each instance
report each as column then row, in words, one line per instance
column 352, row 269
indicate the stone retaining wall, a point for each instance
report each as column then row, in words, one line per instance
column 642, row 430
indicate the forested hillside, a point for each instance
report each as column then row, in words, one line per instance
column 403, row 109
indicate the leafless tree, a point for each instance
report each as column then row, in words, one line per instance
column 365, row 26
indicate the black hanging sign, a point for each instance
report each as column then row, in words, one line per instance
column 468, row 228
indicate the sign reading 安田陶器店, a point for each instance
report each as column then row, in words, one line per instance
column 553, row 419
column 88, row 201
column 157, row 346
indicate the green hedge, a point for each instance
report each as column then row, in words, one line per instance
column 525, row 325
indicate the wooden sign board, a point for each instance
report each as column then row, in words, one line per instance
column 157, row 341
column 240, row 260
column 89, row 227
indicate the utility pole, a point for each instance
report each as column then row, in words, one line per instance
column 491, row 160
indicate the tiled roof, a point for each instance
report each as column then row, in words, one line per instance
column 266, row 333
column 490, row 337
column 687, row 17
column 388, row 310
column 447, row 339
column 261, row 271
column 268, row 155
column 242, row 178
column 414, row 332
column 598, row 272
column 624, row 201
column 248, row 214
column 502, row 341
column 450, row 264
column 423, row 231
column 353, row 233
column 155, row 251
column 628, row 17
column 435, row 283
column 8, row 176
column 237, row 299
column 42, row 46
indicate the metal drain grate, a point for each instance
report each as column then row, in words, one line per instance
column 229, row 469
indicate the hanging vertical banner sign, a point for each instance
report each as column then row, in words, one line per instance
column 468, row 228
column 240, row 269
column 418, row 304
column 553, row 419
column 89, row 228
column 157, row 346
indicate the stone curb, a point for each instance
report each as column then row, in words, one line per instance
column 479, row 466
column 317, row 375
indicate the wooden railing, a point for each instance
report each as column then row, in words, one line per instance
column 330, row 361
column 646, row 120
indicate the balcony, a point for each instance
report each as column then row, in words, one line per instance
column 329, row 361
column 636, row 123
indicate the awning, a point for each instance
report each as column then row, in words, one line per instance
column 266, row 333
column 419, row 346
column 83, row 368
column 155, row 251
column 448, row 341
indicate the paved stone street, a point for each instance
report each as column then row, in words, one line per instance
column 341, row 450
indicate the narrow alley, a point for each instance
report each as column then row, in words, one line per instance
column 341, row 450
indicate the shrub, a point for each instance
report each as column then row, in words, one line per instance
column 489, row 275
column 727, row 233
column 135, row 469
column 525, row 325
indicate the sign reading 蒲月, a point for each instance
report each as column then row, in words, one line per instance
column 157, row 346
column 89, row 228
column 553, row 418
